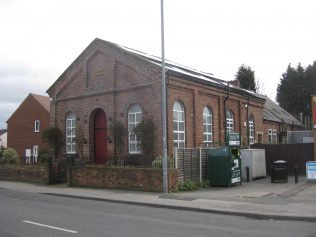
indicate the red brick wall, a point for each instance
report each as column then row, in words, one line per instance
column 195, row 96
column 122, row 178
column 27, row 173
column 122, row 81
column 279, row 127
column 106, row 78
column 21, row 135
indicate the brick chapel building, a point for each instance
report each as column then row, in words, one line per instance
column 108, row 83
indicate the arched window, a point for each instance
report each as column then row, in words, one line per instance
column 251, row 125
column 178, row 125
column 207, row 127
column 134, row 118
column 229, row 121
column 70, row 133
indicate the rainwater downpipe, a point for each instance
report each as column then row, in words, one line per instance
column 225, row 113
column 247, row 121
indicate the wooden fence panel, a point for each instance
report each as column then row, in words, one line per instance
column 189, row 166
column 294, row 154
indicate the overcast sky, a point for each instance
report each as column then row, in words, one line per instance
column 40, row 39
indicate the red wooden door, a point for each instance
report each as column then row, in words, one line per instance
column 100, row 137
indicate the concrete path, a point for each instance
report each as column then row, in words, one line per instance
column 257, row 199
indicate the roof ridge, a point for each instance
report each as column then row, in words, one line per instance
column 156, row 61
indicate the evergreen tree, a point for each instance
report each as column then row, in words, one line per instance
column 295, row 89
column 246, row 78
column 310, row 87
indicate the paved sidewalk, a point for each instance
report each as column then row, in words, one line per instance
column 258, row 199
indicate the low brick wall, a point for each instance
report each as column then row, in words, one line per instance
column 27, row 173
column 121, row 178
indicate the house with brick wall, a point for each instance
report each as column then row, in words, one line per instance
column 277, row 122
column 26, row 124
column 108, row 82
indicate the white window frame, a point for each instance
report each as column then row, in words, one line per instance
column 28, row 154
column 274, row 137
column 270, row 138
column 251, row 130
column 37, row 125
column 207, row 126
column 229, row 121
column 35, row 151
column 71, row 133
column 178, row 125
column 134, row 118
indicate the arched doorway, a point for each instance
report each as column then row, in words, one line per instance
column 100, row 137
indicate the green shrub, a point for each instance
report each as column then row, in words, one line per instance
column 157, row 162
column 117, row 131
column 80, row 162
column 55, row 139
column 9, row 156
column 145, row 133
column 44, row 156
column 2, row 149
column 191, row 185
column 188, row 186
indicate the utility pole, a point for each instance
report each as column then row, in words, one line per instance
column 164, row 107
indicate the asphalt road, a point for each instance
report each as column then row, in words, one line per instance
column 25, row 214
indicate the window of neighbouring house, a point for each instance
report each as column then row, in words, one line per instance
column 207, row 127
column 251, row 125
column 229, row 121
column 134, row 118
column 70, row 133
column 36, row 126
column 28, row 155
column 270, row 136
column 178, row 125
column 35, row 153
column 275, row 140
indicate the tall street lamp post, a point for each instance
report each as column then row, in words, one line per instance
column 164, row 107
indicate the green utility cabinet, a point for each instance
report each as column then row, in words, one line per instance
column 224, row 165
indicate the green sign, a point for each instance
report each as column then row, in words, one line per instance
column 233, row 139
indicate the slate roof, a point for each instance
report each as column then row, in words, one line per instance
column 274, row 112
column 190, row 72
column 187, row 72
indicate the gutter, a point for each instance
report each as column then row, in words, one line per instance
column 225, row 114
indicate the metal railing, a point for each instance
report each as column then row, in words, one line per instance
column 30, row 160
column 135, row 161
column 129, row 160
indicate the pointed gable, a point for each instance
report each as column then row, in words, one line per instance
column 62, row 81
column 43, row 101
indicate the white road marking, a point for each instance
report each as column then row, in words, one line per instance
column 51, row 227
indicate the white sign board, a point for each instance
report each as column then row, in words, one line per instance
column 28, row 152
column 28, row 156
column 311, row 171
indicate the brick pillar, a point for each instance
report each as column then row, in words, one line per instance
column 314, row 122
